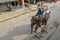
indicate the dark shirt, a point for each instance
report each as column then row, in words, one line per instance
column 40, row 12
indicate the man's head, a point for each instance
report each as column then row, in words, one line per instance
column 42, row 2
column 38, row 4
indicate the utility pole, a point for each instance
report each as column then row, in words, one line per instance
column 34, row 1
column 39, row 1
column 28, row 3
column 21, row 2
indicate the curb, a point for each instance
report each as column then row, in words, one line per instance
column 17, row 16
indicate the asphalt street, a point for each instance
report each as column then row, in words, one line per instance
column 18, row 28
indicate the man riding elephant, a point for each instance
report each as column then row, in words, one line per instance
column 40, row 12
column 38, row 18
column 41, row 9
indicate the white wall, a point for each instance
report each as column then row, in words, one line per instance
column 2, row 1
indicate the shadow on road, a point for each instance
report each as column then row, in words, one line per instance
column 29, row 37
column 24, row 29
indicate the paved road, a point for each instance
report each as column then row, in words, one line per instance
column 56, row 33
column 18, row 28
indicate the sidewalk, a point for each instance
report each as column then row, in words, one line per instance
column 18, row 12
column 9, row 15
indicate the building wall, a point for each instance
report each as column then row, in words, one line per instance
column 2, row 1
column 32, row 1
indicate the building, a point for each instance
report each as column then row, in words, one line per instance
column 13, row 3
column 32, row 1
column 9, row 3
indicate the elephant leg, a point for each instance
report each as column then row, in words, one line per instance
column 45, row 22
column 36, row 28
column 31, row 28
